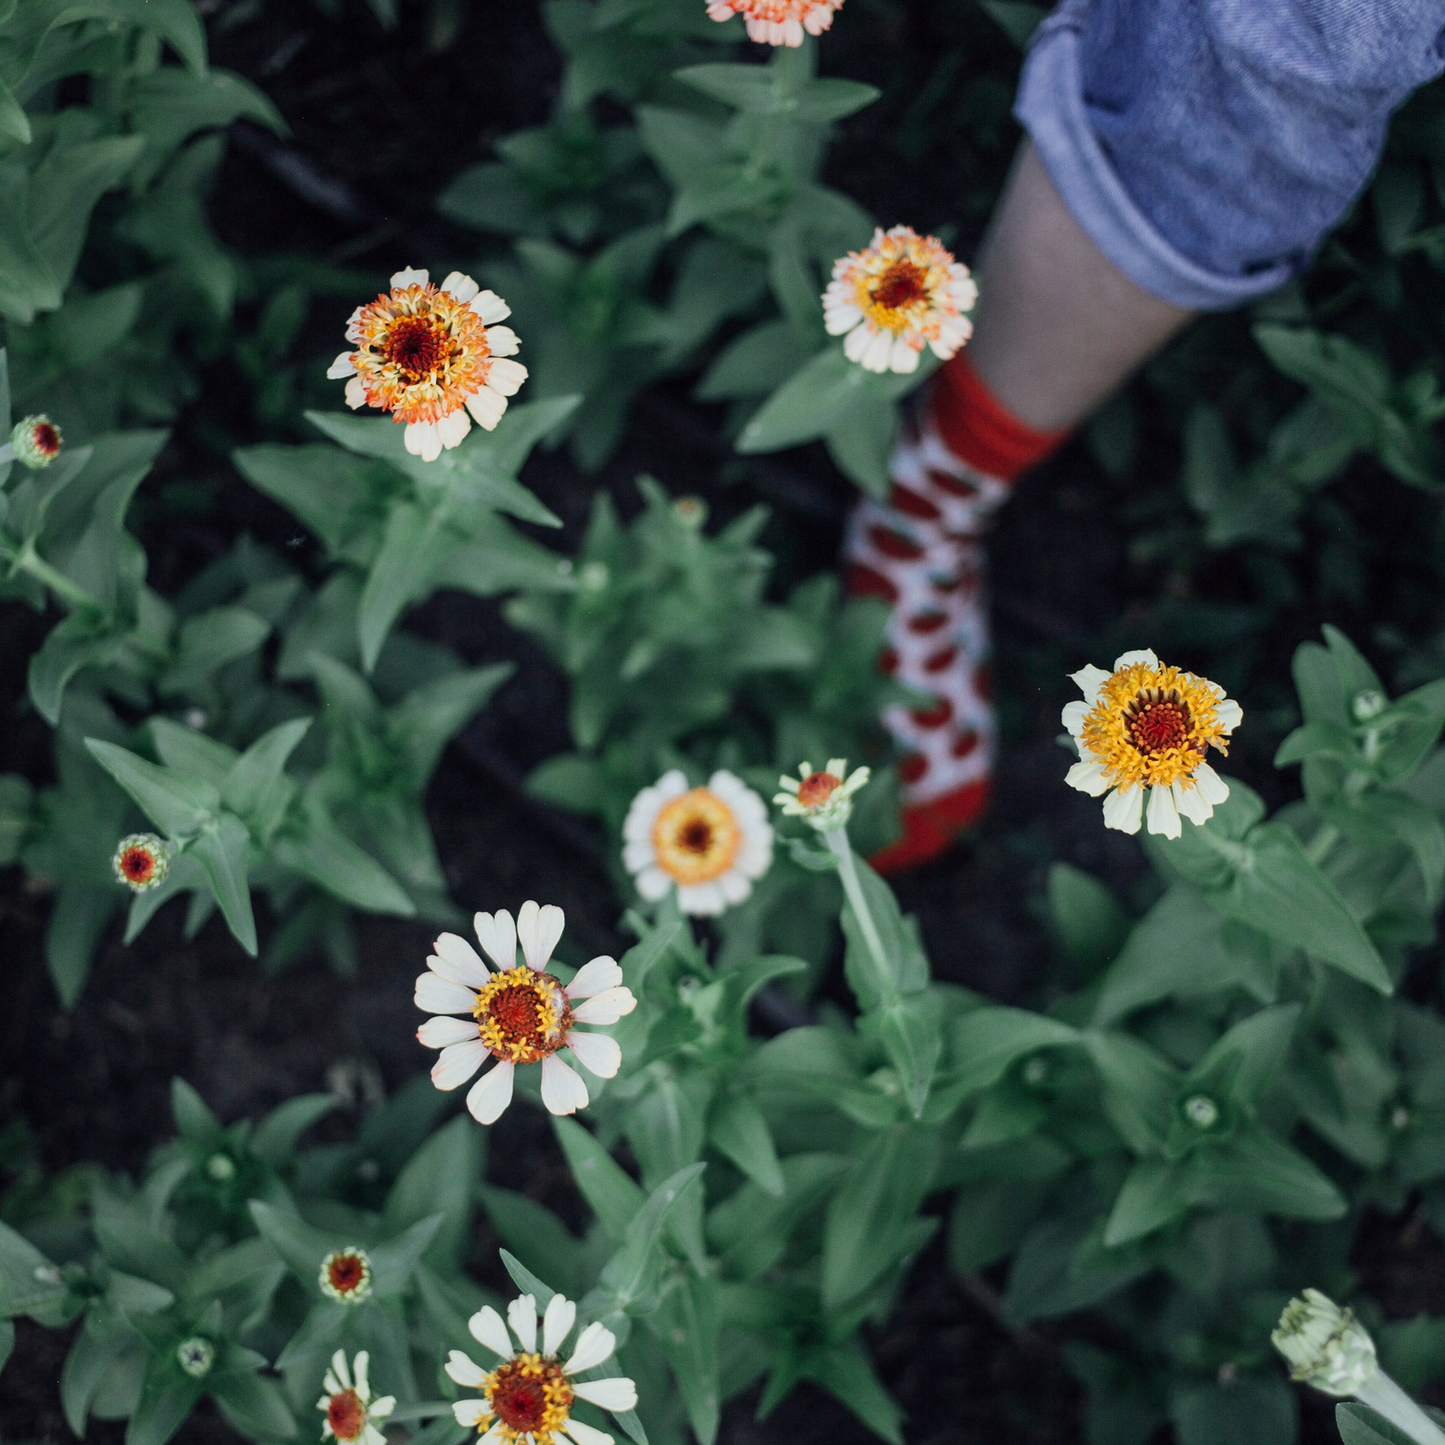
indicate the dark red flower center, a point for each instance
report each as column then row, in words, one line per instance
column 1156, row 723
column 346, row 1273
column 696, row 836
column 138, row 865
column 517, row 1015
column 416, row 345
column 902, row 284
column 346, row 1415
column 46, row 438
column 817, row 788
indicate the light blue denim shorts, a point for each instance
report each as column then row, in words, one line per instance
column 1207, row 146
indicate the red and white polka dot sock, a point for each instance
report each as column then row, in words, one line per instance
column 922, row 552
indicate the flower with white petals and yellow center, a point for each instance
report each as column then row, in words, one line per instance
column 347, row 1407
column 902, row 293
column 710, row 843
column 778, row 22
column 518, row 1015
column 1147, row 726
column 530, row 1394
column 430, row 355
column 824, row 798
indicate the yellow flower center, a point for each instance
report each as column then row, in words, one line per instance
column 420, row 353
column 696, row 837
column 527, row 1395
column 522, row 1015
column 1153, row 726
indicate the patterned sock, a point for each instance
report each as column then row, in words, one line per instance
column 922, row 552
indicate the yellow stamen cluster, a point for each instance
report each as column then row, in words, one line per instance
column 696, row 837
column 522, row 1015
column 420, row 353
column 527, row 1395
column 1152, row 725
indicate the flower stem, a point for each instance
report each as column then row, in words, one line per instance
column 1386, row 1398
column 70, row 592
column 1320, row 845
column 842, row 850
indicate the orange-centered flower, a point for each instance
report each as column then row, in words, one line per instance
column 824, row 797
column 349, row 1414
column 778, row 22
column 1147, row 726
column 346, row 1275
column 710, row 843
column 141, row 861
column 434, row 357
column 903, row 292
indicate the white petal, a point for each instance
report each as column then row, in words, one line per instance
column 522, row 1316
column 672, row 784
column 1088, row 778
column 469, row 1413
column 606, row 1007
column 1090, row 680
column 363, row 1385
column 856, row 342
column 441, row 1030
column 459, row 961
column 338, row 1366
column 538, row 929
column 792, row 33
column 595, row 1344
column 557, row 1323
column 653, row 884
column 601, row 973
column 838, row 319
column 453, row 427
column 503, row 341
column 488, row 1098
column 342, row 366
column 1129, row 659
column 506, row 376
column 638, row 854
column 618, row 1393
column 1163, row 814
column 438, row 995
column 353, row 325
column 355, row 393
column 600, row 1054
column 1191, row 803
column 585, row 1434
column 1124, row 809
column 490, row 307
column 498, row 936
column 903, row 359
column 465, row 1370
column 735, row 885
column 487, row 1329
column 563, row 1091
column 411, row 276
column 487, row 407
column 1073, row 717
column 461, row 286
column 421, row 440
column 1229, row 714
column 701, row 900
column 457, row 1063
column 876, row 353
column 1212, row 788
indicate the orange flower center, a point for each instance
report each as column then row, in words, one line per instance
column 46, row 438
column 346, row 1415
column 1157, row 722
column 416, row 345
column 138, row 865
column 696, row 837
column 522, row 1016
column 817, row 788
column 902, row 284
column 530, row 1395
column 346, row 1273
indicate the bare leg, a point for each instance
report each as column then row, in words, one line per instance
column 1057, row 326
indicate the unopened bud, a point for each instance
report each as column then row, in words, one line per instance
column 593, row 577
column 35, row 441
column 196, row 1356
column 691, row 512
column 1325, row 1346
column 221, row 1168
column 1368, row 705
column 1201, row 1111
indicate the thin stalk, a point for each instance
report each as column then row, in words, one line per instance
column 29, row 561
column 842, row 850
column 1386, row 1398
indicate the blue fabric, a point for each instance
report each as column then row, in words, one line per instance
column 1208, row 145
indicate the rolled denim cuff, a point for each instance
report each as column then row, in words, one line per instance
column 1050, row 106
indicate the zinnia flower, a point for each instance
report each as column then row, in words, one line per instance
column 1149, row 726
column 350, row 1411
column 430, row 356
column 141, row 861
column 529, row 1394
column 34, row 442
column 1325, row 1346
column 901, row 292
column 778, row 22
column 346, row 1275
column 709, row 843
column 824, row 798
column 519, row 1015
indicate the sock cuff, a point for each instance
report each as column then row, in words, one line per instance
column 980, row 430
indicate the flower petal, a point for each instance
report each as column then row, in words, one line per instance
column 1124, row 809
column 1073, row 717
column 653, row 884
column 440, row 1030
column 595, row 1344
column 470, row 1413
column 522, row 1316
column 1163, row 813
column 503, row 341
column 585, row 1434
column 490, row 307
column 438, row 995
column 606, row 1007
column 618, row 1393
column 595, row 977
column 1144, row 655
column 465, row 1370
column 453, row 428
column 342, row 366
column 538, row 929
column 422, row 440
column 460, row 285
column 355, row 393
column 505, row 376
column 1212, row 788
column 487, row 407
column 488, row 1098
column 1191, row 803
column 1090, row 679
column 457, row 1063
column 1088, row 778
column 409, row 276
column 1229, row 714
column 563, row 1091
column 487, row 1329
column 599, row 1054
column 460, row 961
column 557, row 1323
column 498, row 936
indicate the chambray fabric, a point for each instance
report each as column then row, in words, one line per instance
column 1207, row 146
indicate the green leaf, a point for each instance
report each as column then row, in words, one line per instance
column 194, row 1121
column 1086, row 918
column 986, row 1041
column 1139, row 1088
column 1243, row 1411
column 426, row 719
column 847, row 1373
column 441, row 1177
column 178, row 803
column 220, row 850
column 526, row 1281
column 25, row 1280
column 190, row 751
column 736, row 1127
column 167, row 1397
column 861, row 443
column 396, row 1259
column 315, row 847
column 612, row 1194
column 685, row 1325
column 79, row 641
column 253, row 788
column 808, row 404
column 208, row 642
column 14, row 123
column 64, row 190
column 253, row 1405
column 536, row 1236
column 624, row 1273
column 1360, row 1425
column 302, row 1247
column 274, row 1139
column 413, row 547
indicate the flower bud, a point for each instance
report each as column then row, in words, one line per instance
column 1368, row 704
column 1201, row 1111
column 36, row 441
column 221, row 1167
column 824, row 797
column 141, row 861
column 1325, row 1346
column 196, row 1356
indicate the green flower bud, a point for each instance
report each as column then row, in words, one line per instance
column 221, row 1167
column 1324, row 1345
column 1368, row 704
column 196, row 1356
column 36, row 442
column 1201, row 1111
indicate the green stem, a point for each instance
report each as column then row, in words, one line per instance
column 842, row 850
column 1320, row 845
column 26, row 559
column 1386, row 1398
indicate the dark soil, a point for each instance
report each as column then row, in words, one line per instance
column 379, row 122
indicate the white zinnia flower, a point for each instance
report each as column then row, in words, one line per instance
column 351, row 1413
column 1147, row 726
column 778, row 22
column 529, row 1395
column 710, row 843
column 430, row 356
column 520, row 1014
